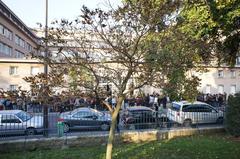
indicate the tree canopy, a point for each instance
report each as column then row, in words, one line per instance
column 215, row 22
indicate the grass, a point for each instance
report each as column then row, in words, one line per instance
column 197, row 147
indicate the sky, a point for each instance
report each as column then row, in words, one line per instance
column 32, row 12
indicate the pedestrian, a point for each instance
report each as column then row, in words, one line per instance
column 164, row 102
column 146, row 100
column 114, row 102
column 156, row 100
column 156, row 109
column 151, row 100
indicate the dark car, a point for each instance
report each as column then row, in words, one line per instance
column 85, row 118
column 139, row 117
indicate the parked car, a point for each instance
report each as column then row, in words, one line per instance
column 187, row 113
column 18, row 122
column 138, row 117
column 85, row 118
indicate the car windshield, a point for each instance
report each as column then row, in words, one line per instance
column 24, row 116
column 175, row 107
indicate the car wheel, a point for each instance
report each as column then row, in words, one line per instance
column 132, row 127
column 187, row 123
column 105, row 127
column 66, row 128
column 30, row 131
column 220, row 120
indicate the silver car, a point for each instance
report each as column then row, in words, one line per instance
column 188, row 113
column 18, row 122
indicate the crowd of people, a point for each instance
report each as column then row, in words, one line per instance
column 8, row 104
column 148, row 100
column 216, row 100
column 59, row 104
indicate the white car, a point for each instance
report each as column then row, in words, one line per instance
column 18, row 122
column 188, row 113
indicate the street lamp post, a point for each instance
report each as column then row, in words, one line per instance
column 45, row 110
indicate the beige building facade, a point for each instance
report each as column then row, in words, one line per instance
column 17, row 41
column 14, row 70
column 220, row 80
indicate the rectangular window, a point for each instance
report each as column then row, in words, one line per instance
column 5, row 49
column 16, row 40
column 233, row 74
column 221, row 89
column 19, row 54
column 1, row 47
column 233, row 89
column 19, row 41
column 220, row 73
column 6, row 32
column 238, row 61
column 34, row 70
column 13, row 70
column 13, row 87
column 1, row 29
column 28, row 47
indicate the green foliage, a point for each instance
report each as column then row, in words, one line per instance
column 233, row 115
column 174, row 56
column 215, row 22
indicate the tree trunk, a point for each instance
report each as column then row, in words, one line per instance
column 112, row 129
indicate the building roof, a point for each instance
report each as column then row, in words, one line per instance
column 7, row 13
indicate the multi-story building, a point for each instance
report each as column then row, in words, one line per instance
column 17, row 41
column 221, row 80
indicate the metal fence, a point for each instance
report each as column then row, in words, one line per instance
column 20, row 124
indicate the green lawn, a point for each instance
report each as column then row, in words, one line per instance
column 197, row 147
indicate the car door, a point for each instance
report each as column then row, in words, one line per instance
column 210, row 114
column 137, row 116
column 148, row 116
column 193, row 112
column 11, row 123
column 91, row 119
column 84, row 119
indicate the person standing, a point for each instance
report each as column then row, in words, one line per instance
column 156, row 99
column 164, row 102
column 146, row 100
column 114, row 102
column 151, row 100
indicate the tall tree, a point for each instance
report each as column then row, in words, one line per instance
column 119, row 47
